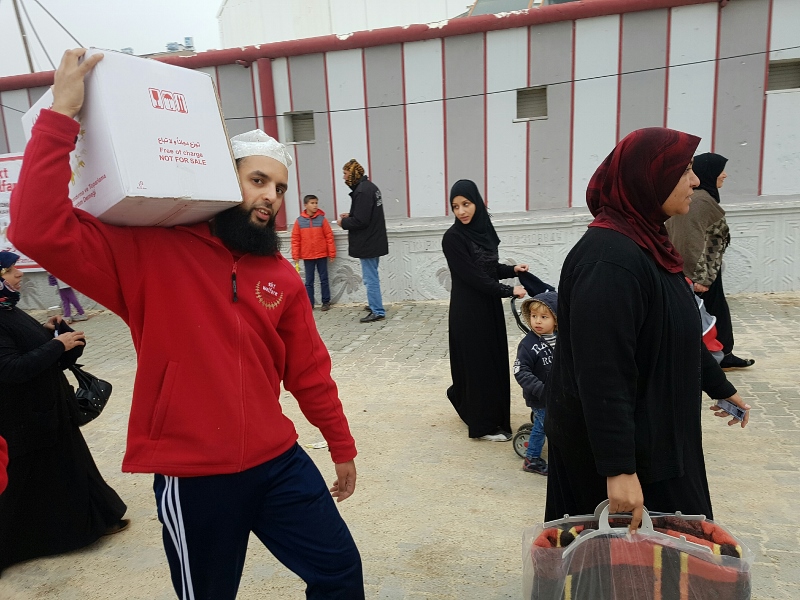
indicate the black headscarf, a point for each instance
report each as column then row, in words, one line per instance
column 480, row 229
column 708, row 167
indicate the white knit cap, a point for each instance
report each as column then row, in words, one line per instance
column 258, row 143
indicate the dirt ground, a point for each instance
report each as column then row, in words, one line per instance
column 436, row 515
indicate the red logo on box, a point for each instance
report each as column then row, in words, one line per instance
column 171, row 101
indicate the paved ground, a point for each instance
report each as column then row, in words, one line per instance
column 435, row 514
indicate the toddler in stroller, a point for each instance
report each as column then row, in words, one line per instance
column 534, row 358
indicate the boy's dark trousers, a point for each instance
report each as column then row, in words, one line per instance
column 207, row 522
column 321, row 264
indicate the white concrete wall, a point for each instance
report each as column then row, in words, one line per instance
column 349, row 127
column 781, row 164
column 785, row 30
column 248, row 22
column 425, row 127
column 595, row 116
column 347, row 16
column 507, row 141
column 691, row 81
column 280, row 81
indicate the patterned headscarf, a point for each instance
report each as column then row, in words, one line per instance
column 354, row 172
column 626, row 192
column 8, row 295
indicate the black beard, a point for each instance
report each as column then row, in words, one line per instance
column 236, row 230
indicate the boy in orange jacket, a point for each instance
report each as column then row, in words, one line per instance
column 312, row 240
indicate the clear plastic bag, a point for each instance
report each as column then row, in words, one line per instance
column 671, row 556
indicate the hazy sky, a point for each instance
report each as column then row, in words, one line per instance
column 144, row 25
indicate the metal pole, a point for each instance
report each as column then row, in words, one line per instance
column 24, row 36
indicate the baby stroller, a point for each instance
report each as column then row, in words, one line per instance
column 533, row 285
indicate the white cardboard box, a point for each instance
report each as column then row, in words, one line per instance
column 152, row 148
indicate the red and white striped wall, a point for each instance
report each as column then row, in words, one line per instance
column 421, row 107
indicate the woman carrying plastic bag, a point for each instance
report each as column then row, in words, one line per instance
column 625, row 392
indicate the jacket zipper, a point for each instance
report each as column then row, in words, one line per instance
column 243, row 441
column 233, row 281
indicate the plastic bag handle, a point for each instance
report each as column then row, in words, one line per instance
column 604, row 528
column 603, row 524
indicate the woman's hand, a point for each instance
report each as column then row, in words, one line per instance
column 520, row 268
column 625, row 495
column 700, row 288
column 519, row 291
column 71, row 339
column 53, row 322
column 737, row 400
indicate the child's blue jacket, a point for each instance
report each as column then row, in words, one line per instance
column 532, row 367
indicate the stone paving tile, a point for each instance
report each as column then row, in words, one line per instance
column 438, row 516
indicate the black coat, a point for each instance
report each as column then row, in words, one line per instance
column 56, row 499
column 366, row 226
column 35, row 392
column 624, row 394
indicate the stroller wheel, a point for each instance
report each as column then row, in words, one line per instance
column 520, row 442
column 525, row 427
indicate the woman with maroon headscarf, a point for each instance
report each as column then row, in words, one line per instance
column 624, row 395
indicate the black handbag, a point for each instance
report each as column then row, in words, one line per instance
column 91, row 395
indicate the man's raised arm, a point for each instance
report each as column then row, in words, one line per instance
column 71, row 244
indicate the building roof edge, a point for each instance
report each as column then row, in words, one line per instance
column 571, row 11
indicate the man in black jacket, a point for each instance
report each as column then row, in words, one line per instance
column 366, row 234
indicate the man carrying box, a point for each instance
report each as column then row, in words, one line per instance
column 218, row 323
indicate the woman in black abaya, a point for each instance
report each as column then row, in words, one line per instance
column 701, row 237
column 56, row 499
column 624, row 396
column 481, row 390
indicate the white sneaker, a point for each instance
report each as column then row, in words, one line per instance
column 79, row 318
column 497, row 437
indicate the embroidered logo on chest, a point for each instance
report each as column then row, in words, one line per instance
column 268, row 296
